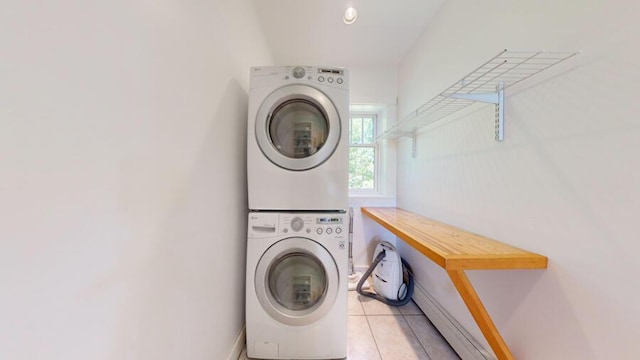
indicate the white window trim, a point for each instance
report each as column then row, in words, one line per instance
column 376, row 151
column 385, row 175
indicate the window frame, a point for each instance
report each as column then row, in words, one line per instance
column 373, row 144
column 385, row 187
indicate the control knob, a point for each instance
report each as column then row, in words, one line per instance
column 297, row 224
column 298, row 72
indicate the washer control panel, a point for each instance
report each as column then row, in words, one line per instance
column 318, row 224
column 313, row 225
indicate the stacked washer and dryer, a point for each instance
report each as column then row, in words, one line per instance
column 297, row 238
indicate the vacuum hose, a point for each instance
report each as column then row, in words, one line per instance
column 407, row 275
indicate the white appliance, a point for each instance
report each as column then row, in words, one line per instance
column 387, row 276
column 392, row 277
column 296, row 288
column 297, row 138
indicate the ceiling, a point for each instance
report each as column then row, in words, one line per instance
column 311, row 32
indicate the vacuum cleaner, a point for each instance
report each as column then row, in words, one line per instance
column 392, row 277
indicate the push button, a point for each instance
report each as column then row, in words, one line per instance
column 338, row 230
column 329, row 230
column 319, row 231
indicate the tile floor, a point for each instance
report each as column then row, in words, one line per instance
column 378, row 331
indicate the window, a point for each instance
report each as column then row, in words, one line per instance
column 372, row 166
column 363, row 153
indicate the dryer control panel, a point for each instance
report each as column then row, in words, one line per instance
column 335, row 77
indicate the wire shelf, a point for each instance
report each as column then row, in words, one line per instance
column 486, row 84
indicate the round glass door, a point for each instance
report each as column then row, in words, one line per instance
column 296, row 281
column 297, row 127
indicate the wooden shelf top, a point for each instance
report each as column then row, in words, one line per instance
column 451, row 247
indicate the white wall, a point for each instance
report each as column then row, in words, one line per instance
column 373, row 84
column 564, row 183
column 122, row 177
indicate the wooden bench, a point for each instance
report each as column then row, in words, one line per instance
column 456, row 250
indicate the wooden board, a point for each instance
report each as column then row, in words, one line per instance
column 453, row 248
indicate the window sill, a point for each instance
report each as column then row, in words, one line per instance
column 358, row 200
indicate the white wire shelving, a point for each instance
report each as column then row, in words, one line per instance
column 484, row 84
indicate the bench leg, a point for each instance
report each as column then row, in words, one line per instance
column 479, row 313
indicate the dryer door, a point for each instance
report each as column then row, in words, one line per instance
column 297, row 127
column 297, row 281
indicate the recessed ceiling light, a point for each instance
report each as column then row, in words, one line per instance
column 350, row 16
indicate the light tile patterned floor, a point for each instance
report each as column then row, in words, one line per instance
column 378, row 331
column 381, row 332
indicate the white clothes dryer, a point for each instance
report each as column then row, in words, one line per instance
column 296, row 288
column 297, row 138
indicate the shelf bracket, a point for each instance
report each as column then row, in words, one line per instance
column 496, row 98
column 499, row 118
column 412, row 135
column 481, row 97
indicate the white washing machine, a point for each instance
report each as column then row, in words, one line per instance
column 296, row 289
column 297, row 138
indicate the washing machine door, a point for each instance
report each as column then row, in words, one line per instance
column 297, row 281
column 297, row 127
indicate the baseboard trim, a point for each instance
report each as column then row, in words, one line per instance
column 238, row 345
column 467, row 347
